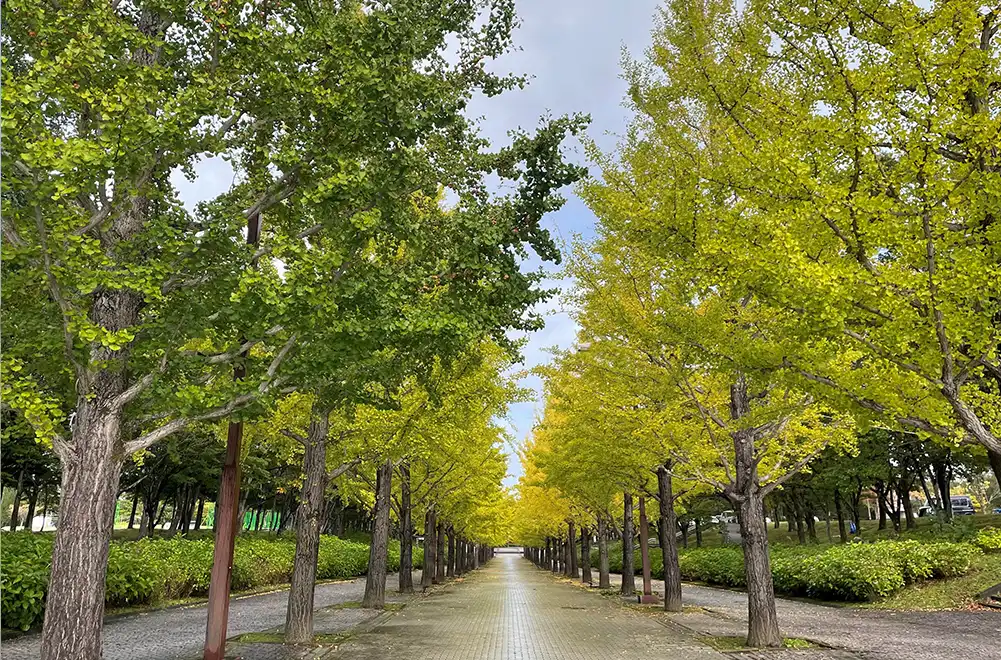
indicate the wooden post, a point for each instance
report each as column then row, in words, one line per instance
column 226, row 525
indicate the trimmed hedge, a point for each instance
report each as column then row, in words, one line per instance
column 152, row 570
column 853, row 572
column 850, row 572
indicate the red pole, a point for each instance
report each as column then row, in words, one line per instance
column 226, row 514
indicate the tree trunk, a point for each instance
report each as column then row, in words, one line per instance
column 683, row 530
column 135, row 505
column 572, row 541
column 15, row 512
column 842, row 528
column 585, row 555
column 299, row 614
column 406, row 580
column 763, row 627
column 904, row 495
column 880, row 489
column 800, row 524
column 567, row 556
column 603, row 579
column 451, row 552
column 698, row 532
column 762, row 624
column 375, row 581
column 811, row 524
column 146, row 521
column 199, row 512
column 943, row 477
column 995, row 460
column 439, row 552
column 427, row 568
column 74, row 612
column 628, row 577
column 29, row 517
column 668, row 540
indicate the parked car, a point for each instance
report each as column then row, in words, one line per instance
column 962, row 505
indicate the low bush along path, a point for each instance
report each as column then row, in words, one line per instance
column 179, row 632
column 872, row 634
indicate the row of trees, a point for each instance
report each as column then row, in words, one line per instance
column 797, row 261
column 330, row 291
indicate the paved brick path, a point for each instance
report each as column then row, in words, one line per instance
column 510, row 610
column 868, row 633
column 179, row 633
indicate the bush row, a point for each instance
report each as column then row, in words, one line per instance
column 856, row 571
column 152, row 570
column 852, row 572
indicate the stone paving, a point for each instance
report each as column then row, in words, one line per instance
column 179, row 633
column 510, row 610
column 866, row 633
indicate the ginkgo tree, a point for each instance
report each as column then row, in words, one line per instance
column 845, row 169
column 701, row 367
column 327, row 114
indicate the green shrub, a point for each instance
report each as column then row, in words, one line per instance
column 857, row 571
column 340, row 559
column 854, row 572
column 156, row 569
column 24, row 577
column 988, row 539
column 723, row 566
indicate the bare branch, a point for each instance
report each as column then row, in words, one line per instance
column 139, row 386
column 154, row 436
column 288, row 433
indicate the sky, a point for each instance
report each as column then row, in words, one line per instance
column 572, row 51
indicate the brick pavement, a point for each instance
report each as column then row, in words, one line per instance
column 179, row 633
column 510, row 610
column 868, row 633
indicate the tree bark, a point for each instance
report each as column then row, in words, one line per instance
column 628, row 576
column 842, row 528
column 904, row 495
column 406, row 580
column 199, row 512
column 585, row 555
column 943, row 477
column 567, row 556
column 74, row 612
column 29, row 517
column 668, row 540
column 375, row 581
column 439, row 552
column 763, row 627
column 299, row 614
column 451, row 552
column 135, row 505
column 15, row 512
column 430, row 546
column 603, row 578
column 762, row 624
column 995, row 460
column 572, row 541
